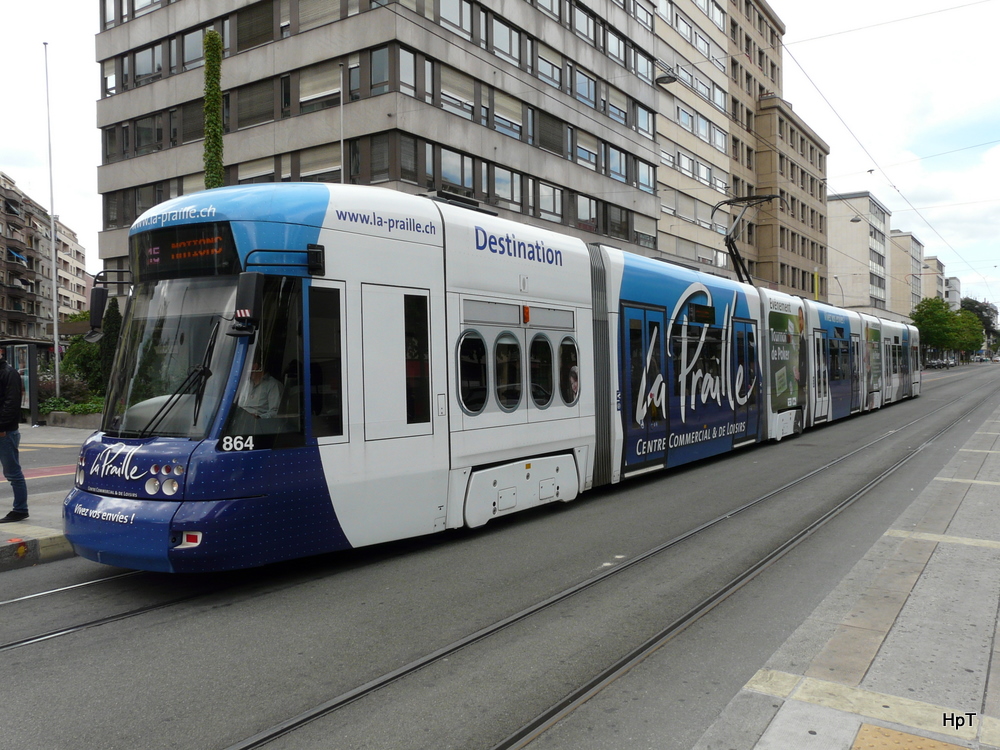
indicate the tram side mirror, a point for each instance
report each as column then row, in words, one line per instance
column 316, row 255
column 249, row 301
column 98, row 303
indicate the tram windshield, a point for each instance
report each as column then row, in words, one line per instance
column 174, row 358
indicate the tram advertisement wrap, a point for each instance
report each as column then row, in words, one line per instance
column 788, row 353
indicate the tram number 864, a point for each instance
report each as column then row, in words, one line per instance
column 237, row 443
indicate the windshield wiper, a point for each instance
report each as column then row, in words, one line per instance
column 200, row 393
column 198, row 374
column 195, row 379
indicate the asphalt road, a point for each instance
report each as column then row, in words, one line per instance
column 262, row 646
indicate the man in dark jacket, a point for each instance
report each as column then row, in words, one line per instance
column 10, row 438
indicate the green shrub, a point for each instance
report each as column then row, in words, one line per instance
column 95, row 405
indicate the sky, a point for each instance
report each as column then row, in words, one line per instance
column 905, row 95
column 903, row 91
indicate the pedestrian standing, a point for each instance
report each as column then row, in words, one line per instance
column 10, row 438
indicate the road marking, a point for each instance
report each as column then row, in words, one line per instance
column 48, row 445
column 943, row 538
column 50, row 471
column 967, row 481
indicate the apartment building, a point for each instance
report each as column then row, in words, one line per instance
column 774, row 152
column 693, row 129
column 933, row 282
column 858, row 260
column 26, row 267
column 906, row 258
column 953, row 292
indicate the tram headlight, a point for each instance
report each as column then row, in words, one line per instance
column 79, row 477
column 152, row 486
column 170, row 487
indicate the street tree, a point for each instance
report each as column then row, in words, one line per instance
column 936, row 322
column 986, row 313
column 968, row 332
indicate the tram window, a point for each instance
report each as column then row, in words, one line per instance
column 326, row 388
column 540, row 373
column 472, row 385
column 418, row 382
column 637, row 364
column 708, row 345
column 507, row 354
column 569, row 372
column 268, row 403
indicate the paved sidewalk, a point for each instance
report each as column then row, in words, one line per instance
column 904, row 652
column 40, row 538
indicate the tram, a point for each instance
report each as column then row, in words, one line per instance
column 305, row 368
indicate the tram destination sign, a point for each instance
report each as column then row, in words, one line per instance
column 191, row 250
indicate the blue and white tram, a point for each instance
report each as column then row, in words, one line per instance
column 306, row 367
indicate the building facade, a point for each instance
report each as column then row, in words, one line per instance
column 774, row 152
column 933, row 281
column 26, row 268
column 953, row 292
column 546, row 112
column 859, row 261
column 620, row 121
column 906, row 258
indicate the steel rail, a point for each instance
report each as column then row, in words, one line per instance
column 330, row 706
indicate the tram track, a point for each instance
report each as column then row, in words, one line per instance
column 565, row 706
column 974, row 397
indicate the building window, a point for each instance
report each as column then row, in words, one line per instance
column 319, row 87
column 616, row 164
column 255, row 25
column 617, row 105
column 617, row 225
column 586, row 150
column 456, row 172
column 507, row 188
column 646, row 176
column 458, row 14
column 379, row 71
column 586, row 213
column 550, row 6
column 506, row 41
column 585, row 87
column 584, row 24
column 550, row 64
column 148, row 64
column 148, row 134
column 615, row 47
column 550, row 202
column 551, row 133
column 193, row 49
column 457, row 92
column 507, row 116
column 255, row 104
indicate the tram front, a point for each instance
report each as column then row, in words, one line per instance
column 185, row 473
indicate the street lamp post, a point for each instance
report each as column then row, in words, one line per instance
column 843, row 301
column 52, row 231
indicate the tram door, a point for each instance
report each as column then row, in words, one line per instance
column 746, row 362
column 855, row 372
column 821, row 375
column 386, row 451
column 645, row 397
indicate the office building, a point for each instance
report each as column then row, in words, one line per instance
column 615, row 121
